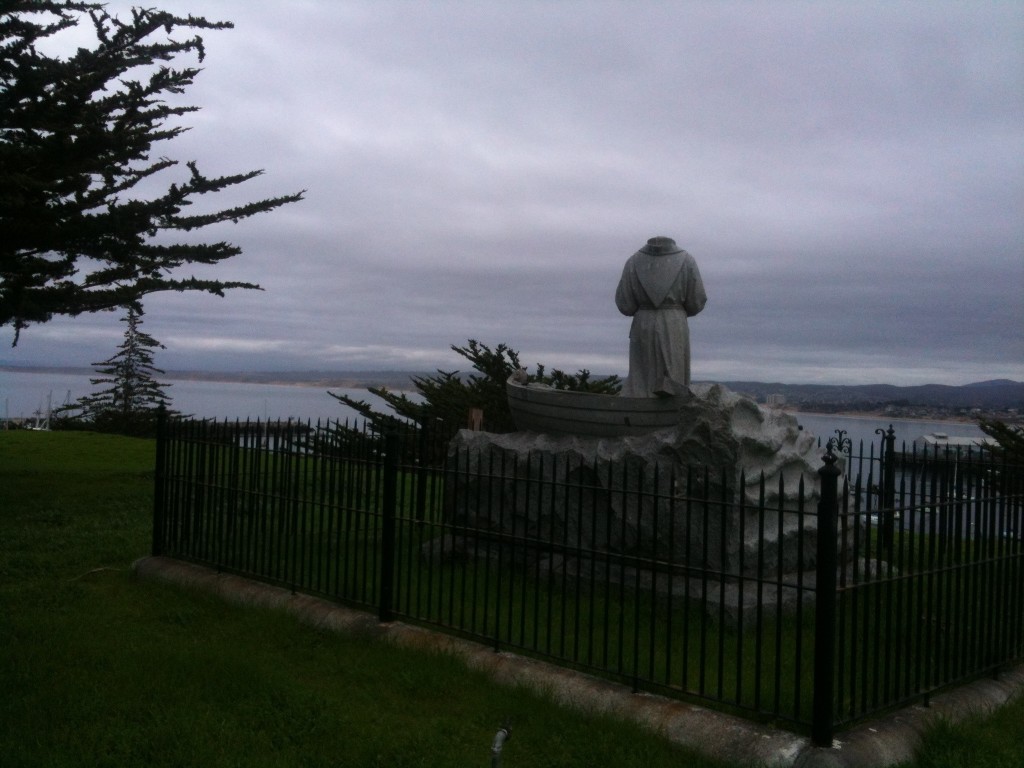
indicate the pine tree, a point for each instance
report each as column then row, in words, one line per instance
column 133, row 398
column 77, row 134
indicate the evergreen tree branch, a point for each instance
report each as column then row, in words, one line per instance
column 77, row 138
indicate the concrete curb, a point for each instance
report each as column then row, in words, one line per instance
column 882, row 742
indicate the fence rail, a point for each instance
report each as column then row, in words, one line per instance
column 667, row 580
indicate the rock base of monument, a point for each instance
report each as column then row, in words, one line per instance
column 723, row 501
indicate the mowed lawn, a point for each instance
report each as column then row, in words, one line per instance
column 98, row 668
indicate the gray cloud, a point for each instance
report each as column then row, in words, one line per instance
column 850, row 178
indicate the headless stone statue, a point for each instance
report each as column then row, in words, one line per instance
column 660, row 288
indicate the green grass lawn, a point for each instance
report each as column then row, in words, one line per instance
column 98, row 668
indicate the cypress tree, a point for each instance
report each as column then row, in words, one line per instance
column 1009, row 441
column 83, row 229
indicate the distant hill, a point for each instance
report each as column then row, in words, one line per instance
column 992, row 395
column 334, row 379
column 999, row 394
column 310, row 378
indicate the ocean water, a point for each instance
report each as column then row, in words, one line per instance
column 862, row 428
column 24, row 394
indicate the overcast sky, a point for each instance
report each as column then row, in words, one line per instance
column 848, row 176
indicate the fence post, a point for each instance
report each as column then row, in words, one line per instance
column 888, row 486
column 825, row 603
column 159, row 479
column 421, row 472
column 388, row 511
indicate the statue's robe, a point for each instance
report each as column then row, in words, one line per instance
column 660, row 292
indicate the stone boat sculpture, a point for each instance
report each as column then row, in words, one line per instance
column 540, row 408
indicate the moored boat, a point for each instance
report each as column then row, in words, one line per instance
column 539, row 408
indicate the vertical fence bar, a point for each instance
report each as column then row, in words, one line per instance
column 594, row 547
column 759, row 585
column 726, row 496
column 888, row 474
column 779, row 572
column 825, row 605
column 799, row 645
column 670, row 571
column 565, row 495
column 170, row 537
column 387, row 555
column 159, row 479
column 637, row 597
column 422, row 472
column 689, row 553
column 499, row 573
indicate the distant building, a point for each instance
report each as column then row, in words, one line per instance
column 953, row 442
column 775, row 400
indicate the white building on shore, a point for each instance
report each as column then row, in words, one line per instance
column 943, row 440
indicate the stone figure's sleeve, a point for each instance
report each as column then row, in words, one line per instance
column 694, row 298
column 625, row 295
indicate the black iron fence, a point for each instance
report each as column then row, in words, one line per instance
column 900, row 574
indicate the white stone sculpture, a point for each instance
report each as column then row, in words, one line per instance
column 660, row 288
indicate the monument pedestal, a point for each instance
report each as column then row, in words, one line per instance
column 690, row 498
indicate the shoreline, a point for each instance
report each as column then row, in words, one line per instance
column 314, row 379
column 400, row 382
column 876, row 414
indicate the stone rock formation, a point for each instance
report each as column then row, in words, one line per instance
column 720, row 491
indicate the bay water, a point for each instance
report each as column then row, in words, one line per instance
column 23, row 395
column 862, row 428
